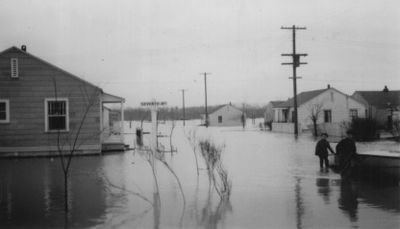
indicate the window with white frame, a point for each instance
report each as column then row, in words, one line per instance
column 4, row 111
column 353, row 113
column 56, row 112
column 14, row 68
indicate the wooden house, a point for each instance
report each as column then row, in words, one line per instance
column 45, row 110
column 225, row 115
column 333, row 109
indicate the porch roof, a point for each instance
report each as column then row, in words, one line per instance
column 108, row 98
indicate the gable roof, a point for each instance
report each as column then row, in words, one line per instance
column 221, row 106
column 276, row 103
column 13, row 48
column 303, row 97
column 380, row 99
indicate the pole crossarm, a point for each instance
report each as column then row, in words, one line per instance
column 291, row 54
column 293, row 63
column 293, row 27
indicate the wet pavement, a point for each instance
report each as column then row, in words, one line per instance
column 276, row 183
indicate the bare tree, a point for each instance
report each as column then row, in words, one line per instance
column 212, row 157
column 70, row 142
column 314, row 113
column 192, row 137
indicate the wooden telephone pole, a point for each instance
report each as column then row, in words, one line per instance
column 183, row 105
column 205, row 95
column 296, row 63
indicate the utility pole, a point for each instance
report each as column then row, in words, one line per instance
column 296, row 63
column 183, row 105
column 205, row 95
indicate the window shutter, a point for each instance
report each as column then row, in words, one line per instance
column 14, row 68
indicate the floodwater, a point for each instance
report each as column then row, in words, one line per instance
column 276, row 183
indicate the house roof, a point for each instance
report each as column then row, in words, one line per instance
column 13, row 48
column 302, row 97
column 108, row 98
column 221, row 106
column 276, row 103
column 380, row 99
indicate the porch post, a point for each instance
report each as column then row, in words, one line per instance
column 122, row 121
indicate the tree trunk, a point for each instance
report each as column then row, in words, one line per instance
column 315, row 128
column 66, row 207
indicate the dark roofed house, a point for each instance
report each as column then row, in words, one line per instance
column 384, row 105
column 40, row 102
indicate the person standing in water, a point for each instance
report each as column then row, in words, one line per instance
column 321, row 150
column 346, row 150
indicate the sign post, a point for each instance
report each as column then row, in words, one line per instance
column 153, row 107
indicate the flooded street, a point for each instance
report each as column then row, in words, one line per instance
column 276, row 183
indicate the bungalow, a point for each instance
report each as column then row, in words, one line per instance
column 269, row 111
column 383, row 106
column 330, row 107
column 225, row 115
column 43, row 108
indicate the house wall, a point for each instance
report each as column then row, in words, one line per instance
column 284, row 127
column 231, row 116
column 339, row 105
column 26, row 130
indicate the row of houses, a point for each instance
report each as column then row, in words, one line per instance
column 45, row 109
column 333, row 110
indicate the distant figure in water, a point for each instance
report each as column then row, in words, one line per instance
column 321, row 150
column 346, row 150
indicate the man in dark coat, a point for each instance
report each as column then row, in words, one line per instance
column 346, row 151
column 321, row 150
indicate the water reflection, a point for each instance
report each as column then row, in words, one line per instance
column 156, row 209
column 32, row 194
column 299, row 204
column 324, row 189
column 210, row 216
column 347, row 201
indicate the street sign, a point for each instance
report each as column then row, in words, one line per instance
column 153, row 103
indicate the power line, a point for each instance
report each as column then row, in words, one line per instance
column 296, row 63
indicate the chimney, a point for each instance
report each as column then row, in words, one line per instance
column 385, row 89
column 23, row 48
column 329, row 86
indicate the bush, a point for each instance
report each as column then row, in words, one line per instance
column 268, row 124
column 364, row 129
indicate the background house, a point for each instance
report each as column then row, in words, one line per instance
column 332, row 108
column 225, row 115
column 383, row 106
column 269, row 114
column 41, row 103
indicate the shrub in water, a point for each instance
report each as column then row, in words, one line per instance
column 364, row 129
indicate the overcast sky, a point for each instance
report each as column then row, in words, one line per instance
column 144, row 49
